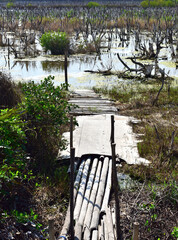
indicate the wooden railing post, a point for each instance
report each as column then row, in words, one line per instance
column 135, row 230
column 72, row 158
column 65, row 69
column 115, row 185
column 51, row 229
column 71, row 132
column 112, row 129
column 8, row 47
column 116, row 193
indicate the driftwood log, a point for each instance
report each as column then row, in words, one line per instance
column 146, row 69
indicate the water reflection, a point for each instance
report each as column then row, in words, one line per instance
column 42, row 66
column 51, row 66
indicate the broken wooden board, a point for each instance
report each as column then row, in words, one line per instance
column 92, row 136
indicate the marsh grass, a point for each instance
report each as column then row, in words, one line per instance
column 158, row 129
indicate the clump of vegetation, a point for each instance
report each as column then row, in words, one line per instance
column 10, row 94
column 158, row 127
column 93, row 4
column 145, row 204
column 158, row 3
column 47, row 112
column 10, row 4
column 56, row 42
column 30, row 137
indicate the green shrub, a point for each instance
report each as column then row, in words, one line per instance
column 10, row 94
column 47, row 114
column 158, row 3
column 145, row 4
column 12, row 146
column 10, row 5
column 56, row 42
column 93, row 4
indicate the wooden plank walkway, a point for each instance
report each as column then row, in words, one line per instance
column 93, row 215
column 90, row 103
column 94, row 218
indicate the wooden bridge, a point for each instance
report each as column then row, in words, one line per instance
column 94, row 217
column 93, row 212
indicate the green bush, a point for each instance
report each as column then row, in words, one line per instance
column 145, row 4
column 12, row 146
column 56, row 42
column 158, row 3
column 10, row 94
column 93, row 4
column 47, row 112
column 10, row 5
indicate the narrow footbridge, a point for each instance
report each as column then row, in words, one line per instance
column 94, row 217
column 94, row 212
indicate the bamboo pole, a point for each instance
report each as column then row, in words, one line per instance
column 81, row 191
column 106, row 237
column 72, row 157
column 100, row 195
column 108, row 189
column 95, row 235
column 66, row 225
column 109, row 223
column 88, row 192
column 92, row 202
column 101, row 230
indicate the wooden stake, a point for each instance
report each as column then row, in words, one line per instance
column 51, row 229
column 116, row 191
column 65, row 69
column 72, row 158
column 135, row 230
column 8, row 47
column 112, row 129
column 1, row 43
column 71, row 132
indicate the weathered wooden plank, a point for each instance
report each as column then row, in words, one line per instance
column 92, row 111
column 100, row 194
column 92, row 202
column 81, row 191
column 91, row 101
column 95, row 108
column 85, row 92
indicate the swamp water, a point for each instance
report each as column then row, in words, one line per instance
column 37, row 68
